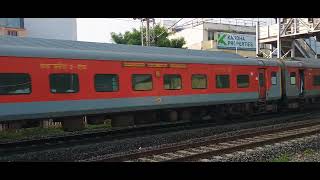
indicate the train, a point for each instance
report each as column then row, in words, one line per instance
column 67, row 81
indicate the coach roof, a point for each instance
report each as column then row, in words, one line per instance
column 36, row 47
column 302, row 62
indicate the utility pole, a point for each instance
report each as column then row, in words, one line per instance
column 148, row 32
column 257, row 38
column 147, row 37
column 278, row 38
column 141, row 30
column 152, row 33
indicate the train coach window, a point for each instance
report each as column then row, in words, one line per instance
column 222, row 81
column 199, row 81
column 273, row 78
column 243, row 81
column 142, row 82
column 64, row 83
column 12, row 83
column 292, row 78
column 316, row 80
column 172, row 81
column 106, row 82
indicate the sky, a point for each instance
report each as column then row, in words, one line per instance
column 99, row 29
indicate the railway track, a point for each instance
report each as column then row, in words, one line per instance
column 217, row 146
column 33, row 145
column 95, row 136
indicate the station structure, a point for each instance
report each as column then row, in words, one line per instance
column 47, row 28
column 289, row 38
column 231, row 35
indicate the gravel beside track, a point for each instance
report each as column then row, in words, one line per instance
column 269, row 153
column 305, row 157
column 81, row 152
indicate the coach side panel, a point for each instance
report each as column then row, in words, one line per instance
column 42, row 103
column 312, row 82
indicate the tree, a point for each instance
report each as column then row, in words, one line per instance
column 161, row 40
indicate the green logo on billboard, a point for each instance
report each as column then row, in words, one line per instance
column 221, row 39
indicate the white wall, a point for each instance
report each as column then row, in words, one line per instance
column 227, row 27
column 192, row 36
column 51, row 28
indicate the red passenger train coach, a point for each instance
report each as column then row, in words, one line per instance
column 54, row 79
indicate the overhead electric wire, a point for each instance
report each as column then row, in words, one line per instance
column 187, row 22
column 122, row 19
column 170, row 27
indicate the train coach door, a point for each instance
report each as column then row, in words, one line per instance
column 262, row 84
column 301, row 77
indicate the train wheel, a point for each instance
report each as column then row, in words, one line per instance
column 185, row 115
column 73, row 124
column 173, row 116
column 122, row 121
column 98, row 119
column 196, row 115
column 145, row 118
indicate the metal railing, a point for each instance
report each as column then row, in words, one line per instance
column 235, row 21
column 227, row 21
column 306, row 48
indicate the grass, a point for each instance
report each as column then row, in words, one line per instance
column 308, row 152
column 107, row 124
column 38, row 131
column 283, row 158
column 286, row 157
column 28, row 132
